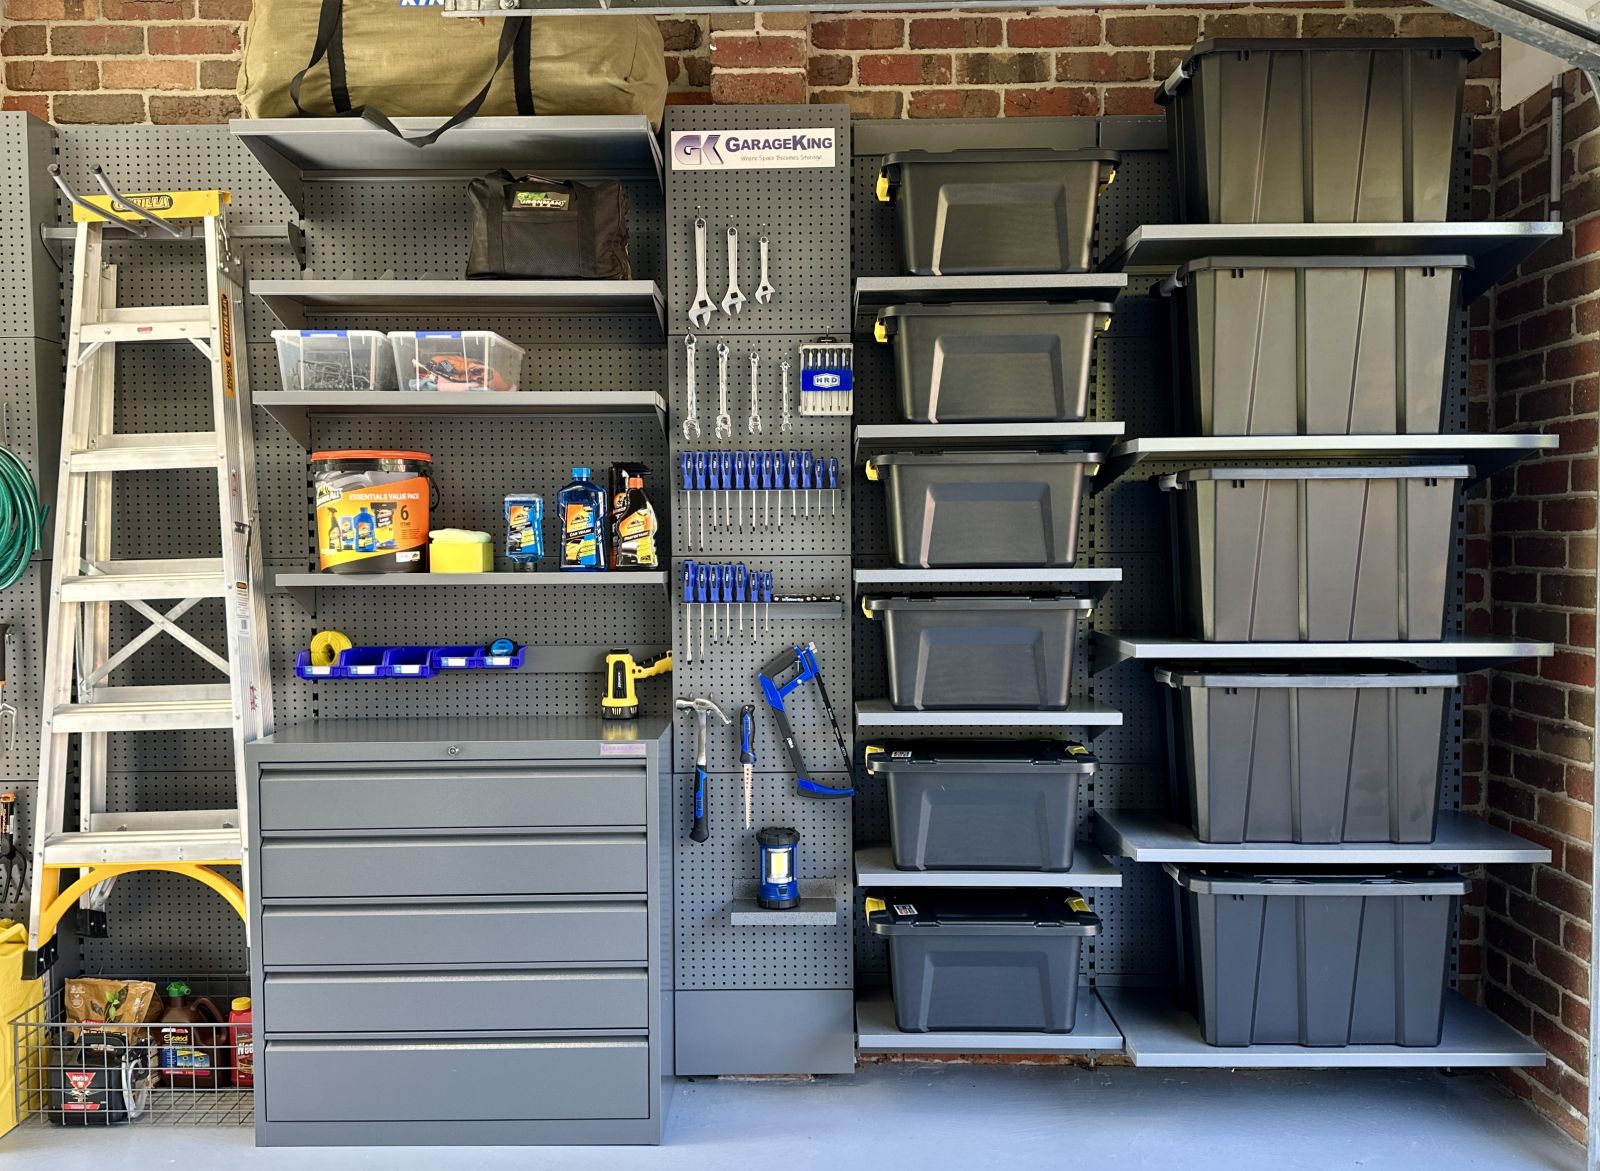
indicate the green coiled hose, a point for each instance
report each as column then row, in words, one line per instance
column 21, row 518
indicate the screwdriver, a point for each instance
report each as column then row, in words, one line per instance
column 688, row 612
column 833, row 486
column 808, row 467
column 766, row 597
column 702, row 578
column 700, row 486
column 794, row 483
column 727, row 487
column 766, row 495
column 713, row 482
column 741, row 590
column 686, row 460
column 740, row 482
column 779, row 480
column 725, row 593
column 753, row 458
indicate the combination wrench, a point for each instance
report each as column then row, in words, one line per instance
column 724, row 425
column 753, row 423
column 691, row 411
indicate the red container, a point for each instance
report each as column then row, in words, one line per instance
column 241, row 1032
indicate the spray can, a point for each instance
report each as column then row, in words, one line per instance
column 582, row 505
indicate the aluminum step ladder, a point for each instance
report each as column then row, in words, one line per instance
column 233, row 687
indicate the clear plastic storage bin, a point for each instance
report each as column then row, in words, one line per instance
column 456, row 359
column 334, row 359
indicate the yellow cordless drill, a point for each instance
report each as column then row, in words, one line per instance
column 621, row 701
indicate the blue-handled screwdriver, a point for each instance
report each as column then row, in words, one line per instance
column 741, row 590
column 740, row 482
column 767, row 486
column 714, row 482
column 702, row 580
column 687, row 590
column 753, row 458
column 833, row 486
column 808, row 478
column 725, row 593
column 700, row 486
column 766, row 598
column 686, row 462
column 794, row 483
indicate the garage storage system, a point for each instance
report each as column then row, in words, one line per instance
column 1061, row 566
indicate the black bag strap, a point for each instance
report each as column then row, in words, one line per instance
column 515, row 38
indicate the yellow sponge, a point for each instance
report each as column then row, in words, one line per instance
column 460, row 551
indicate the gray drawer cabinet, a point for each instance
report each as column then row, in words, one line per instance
column 457, row 932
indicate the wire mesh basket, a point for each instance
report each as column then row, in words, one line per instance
column 147, row 1074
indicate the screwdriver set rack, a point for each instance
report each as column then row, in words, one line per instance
column 747, row 491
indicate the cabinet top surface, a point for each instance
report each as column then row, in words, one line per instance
column 483, row 738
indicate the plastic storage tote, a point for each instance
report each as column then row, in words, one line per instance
column 995, row 211
column 984, row 508
column 456, row 359
column 1326, row 346
column 979, row 652
column 990, row 805
column 1002, row 362
column 1316, row 130
column 1315, row 554
column 334, row 359
column 1309, row 757
column 1317, row 959
column 983, row 961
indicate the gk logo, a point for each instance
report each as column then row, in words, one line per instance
column 697, row 151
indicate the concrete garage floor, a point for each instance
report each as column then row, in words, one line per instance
column 935, row 1117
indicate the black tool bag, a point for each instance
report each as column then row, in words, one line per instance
column 544, row 229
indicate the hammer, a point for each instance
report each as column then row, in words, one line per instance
column 701, row 830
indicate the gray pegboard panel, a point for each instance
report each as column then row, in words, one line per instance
column 21, row 607
column 826, row 531
column 421, row 230
column 711, row 952
column 804, row 213
column 30, row 297
column 166, row 923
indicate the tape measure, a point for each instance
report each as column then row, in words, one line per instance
column 327, row 646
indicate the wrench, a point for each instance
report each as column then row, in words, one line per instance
column 753, row 423
column 734, row 301
column 702, row 309
column 764, row 290
column 785, row 421
column 691, row 409
column 724, row 427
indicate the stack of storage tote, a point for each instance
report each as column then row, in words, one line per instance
column 987, row 828
column 1286, row 132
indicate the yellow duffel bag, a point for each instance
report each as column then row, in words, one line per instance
column 377, row 60
column 18, row 997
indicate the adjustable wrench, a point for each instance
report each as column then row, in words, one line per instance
column 702, row 309
column 753, row 423
column 724, row 427
column 691, row 408
column 764, row 290
column 734, row 301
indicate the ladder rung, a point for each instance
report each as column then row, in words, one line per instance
column 148, row 580
column 159, row 845
column 193, row 323
column 149, row 452
column 144, row 715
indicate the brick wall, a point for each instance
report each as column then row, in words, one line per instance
column 1528, row 755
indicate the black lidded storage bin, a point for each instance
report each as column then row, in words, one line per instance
column 1315, row 554
column 982, row 805
column 1005, row 362
column 971, row 212
column 980, row 652
column 1317, row 130
column 1317, row 959
column 984, row 961
column 1323, row 346
column 1308, row 757
column 984, row 508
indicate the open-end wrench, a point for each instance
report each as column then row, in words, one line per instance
column 785, row 420
column 764, row 290
column 753, row 423
column 734, row 301
column 702, row 309
column 691, row 408
column 724, row 427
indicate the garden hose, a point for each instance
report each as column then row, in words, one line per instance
column 21, row 518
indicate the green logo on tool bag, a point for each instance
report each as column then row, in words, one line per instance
column 543, row 200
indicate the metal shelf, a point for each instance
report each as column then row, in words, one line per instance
column 294, row 409
column 875, row 868
column 1159, row 1033
column 875, row 292
column 291, row 302
column 810, row 913
column 296, row 150
column 1092, row 1032
column 1496, row 247
column 1093, row 582
column 1487, row 454
column 304, row 586
column 1151, row 836
column 873, row 438
column 1468, row 654
column 1084, row 713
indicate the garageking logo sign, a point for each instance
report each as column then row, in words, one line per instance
column 749, row 150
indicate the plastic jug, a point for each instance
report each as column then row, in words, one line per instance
column 194, row 1049
column 241, row 1032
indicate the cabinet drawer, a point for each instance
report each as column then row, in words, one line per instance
column 436, row 1002
column 445, row 935
column 376, row 797
column 443, row 1081
column 452, row 865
